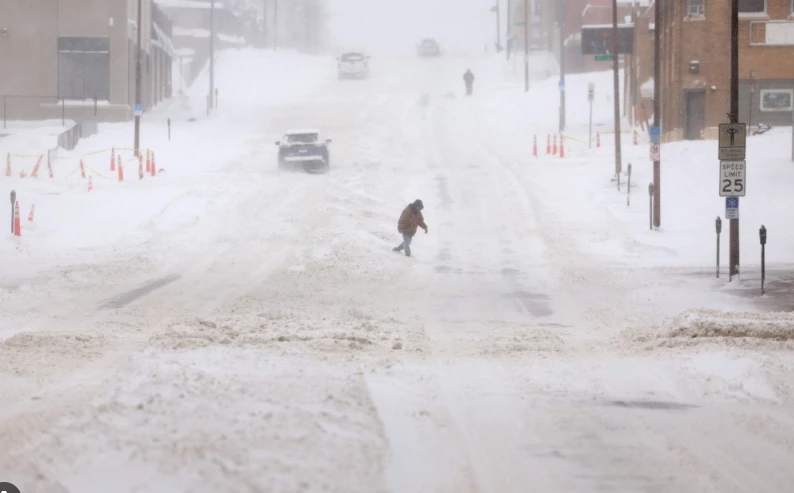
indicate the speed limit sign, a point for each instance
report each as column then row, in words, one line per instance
column 733, row 178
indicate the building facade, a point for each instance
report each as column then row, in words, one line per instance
column 696, row 61
column 77, row 58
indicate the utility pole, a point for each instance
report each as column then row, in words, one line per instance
column 138, row 27
column 264, row 24
column 657, row 110
column 509, row 41
column 526, row 45
column 616, row 84
column 561, row 22
column 275, row 25
column 212, row 55
column 498, row 28
column 734, row 118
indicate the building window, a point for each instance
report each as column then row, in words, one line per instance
column 695, row 8
column 84, row 68
column 777, row 99
column 752, row 6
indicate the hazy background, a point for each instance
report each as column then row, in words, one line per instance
column 396, row 26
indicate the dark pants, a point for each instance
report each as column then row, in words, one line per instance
column 406, row 245
column 469, row 89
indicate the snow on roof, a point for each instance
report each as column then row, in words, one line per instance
column 193, row 33
column 298, row 131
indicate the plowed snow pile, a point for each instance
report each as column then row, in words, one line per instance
column 712, row 323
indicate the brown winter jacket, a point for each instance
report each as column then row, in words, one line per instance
column 410, row 220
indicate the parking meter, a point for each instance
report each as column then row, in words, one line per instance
column 762, row 234
column 719, row 225
column 650, row 189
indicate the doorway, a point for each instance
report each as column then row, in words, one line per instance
column 695, row 113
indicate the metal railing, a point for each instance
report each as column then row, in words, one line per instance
column 32, row 108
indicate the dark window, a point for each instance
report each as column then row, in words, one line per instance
column 84, row 68
column 752, row 6
column 302, row 138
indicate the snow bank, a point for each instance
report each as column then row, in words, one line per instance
column 713, row 323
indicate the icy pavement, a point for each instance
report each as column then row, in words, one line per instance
column 248, row 330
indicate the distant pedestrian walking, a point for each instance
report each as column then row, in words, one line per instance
column 410, row 220
column 468, row 78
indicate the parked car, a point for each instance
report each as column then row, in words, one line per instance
column 305, row 149
column 353, row 65
column 428, row 48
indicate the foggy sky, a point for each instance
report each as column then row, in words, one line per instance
column 396, row 26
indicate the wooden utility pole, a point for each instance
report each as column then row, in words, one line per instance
column 657, row 110
column 734, row 118
column 138, row 76
column 616, row 85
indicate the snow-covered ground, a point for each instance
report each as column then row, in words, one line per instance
column 225, row 327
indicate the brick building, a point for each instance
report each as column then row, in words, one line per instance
column 77, row 57
column 696, row 65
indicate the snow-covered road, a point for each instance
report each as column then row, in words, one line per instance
column 257, row 334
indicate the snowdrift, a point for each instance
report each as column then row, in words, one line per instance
column 778, row 326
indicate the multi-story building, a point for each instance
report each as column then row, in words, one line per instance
column 78, row 57
column 696, row 58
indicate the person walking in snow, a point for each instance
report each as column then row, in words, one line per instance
column 410, row 219
column 468, row 78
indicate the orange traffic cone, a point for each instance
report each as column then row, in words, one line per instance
column 49, row 167
column 148, row 161
column 554, row 145
column 548, row 144
column 636, row 141
column 140, row 167
column 90, row 184
column 82, row 169
column 121, row 170
column 702, row 134
column 113, row 159
column 30, row 216
column 8, row 165
column 598, row 140
column 535, row 146
column 17, row 223
column 154, row 166
column 562, row 145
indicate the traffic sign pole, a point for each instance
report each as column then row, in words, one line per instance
column 657, row 110
column 734, row 224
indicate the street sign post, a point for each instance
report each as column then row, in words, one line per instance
column 561, row 85
column 732, row 208
column 655, row 152
column 138, row 109
column 732, row 142
column 733, row 178
column 656, row 135
column 590, row 92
